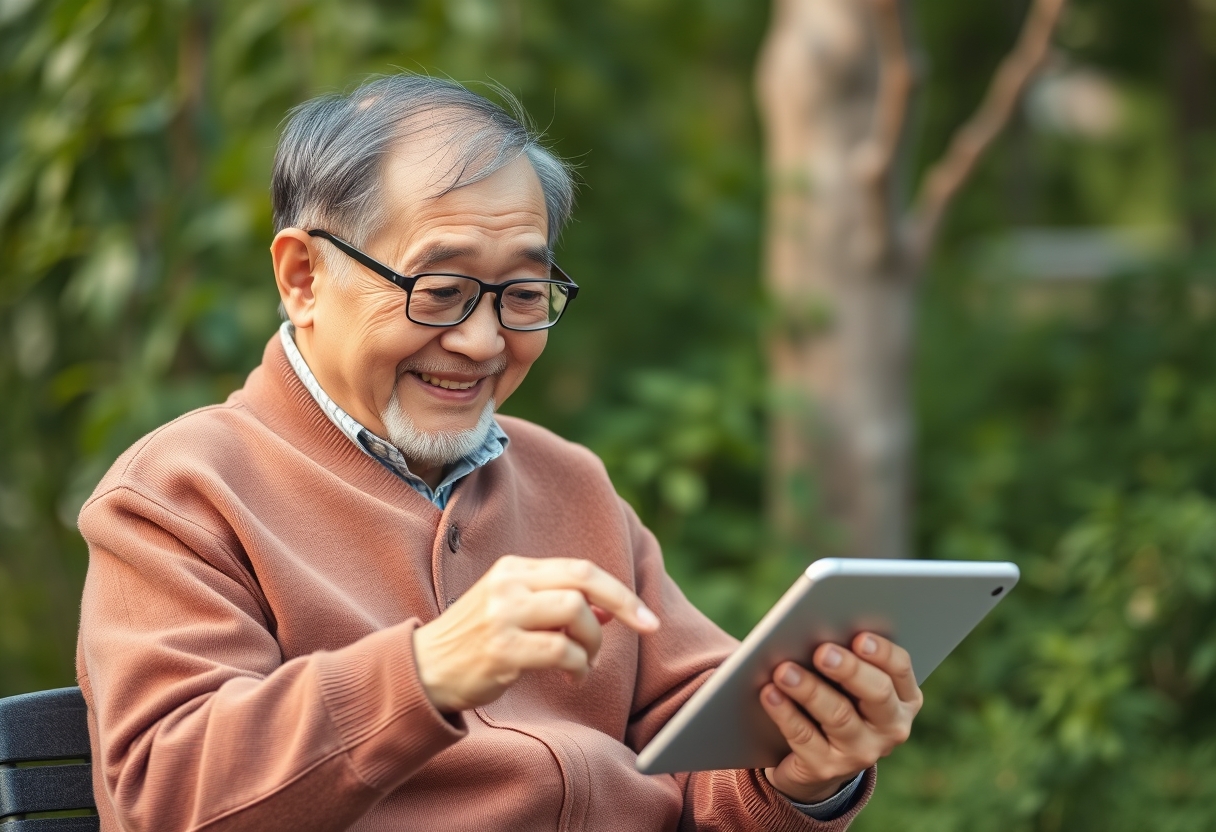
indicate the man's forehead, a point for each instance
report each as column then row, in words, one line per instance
column 436, row 252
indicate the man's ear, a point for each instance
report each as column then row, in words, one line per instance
column 293, row 258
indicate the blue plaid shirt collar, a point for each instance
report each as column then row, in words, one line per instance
column 381, row 450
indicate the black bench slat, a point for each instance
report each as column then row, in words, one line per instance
column 78, row 824
column 44, row 725
column 45, row 789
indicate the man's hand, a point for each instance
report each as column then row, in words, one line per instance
column 523, row 614
column 846, row 732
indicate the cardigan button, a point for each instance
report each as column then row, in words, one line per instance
column 453, row 538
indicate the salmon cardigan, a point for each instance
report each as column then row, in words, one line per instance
column 246, row 644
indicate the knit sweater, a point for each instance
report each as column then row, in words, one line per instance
column 246, row 641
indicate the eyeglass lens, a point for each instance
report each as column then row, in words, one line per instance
column 446, row 299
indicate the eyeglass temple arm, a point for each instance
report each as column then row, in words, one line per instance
column 373, row 264
column 401, row 280
column 571, row 286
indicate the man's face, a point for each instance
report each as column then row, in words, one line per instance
column 363, row 349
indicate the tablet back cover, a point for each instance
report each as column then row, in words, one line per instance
column 928, row 607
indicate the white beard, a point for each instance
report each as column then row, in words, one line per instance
column 433, row 449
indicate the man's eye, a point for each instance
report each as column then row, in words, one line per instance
column 442, row 294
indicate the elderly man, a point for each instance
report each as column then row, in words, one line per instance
column 350, row 597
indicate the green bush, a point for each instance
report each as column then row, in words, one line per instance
column 134, row 163
column 1083, row 447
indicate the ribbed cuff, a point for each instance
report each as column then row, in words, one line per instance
column 834, row 805
column 388, row 726
column 773, row 811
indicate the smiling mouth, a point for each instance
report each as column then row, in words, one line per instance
column 445, row 383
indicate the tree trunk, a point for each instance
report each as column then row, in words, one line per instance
column 843, row 260
column 842, row 328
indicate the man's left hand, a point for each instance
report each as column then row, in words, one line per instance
column 847, row 732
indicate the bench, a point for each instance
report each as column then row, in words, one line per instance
column 45, row 767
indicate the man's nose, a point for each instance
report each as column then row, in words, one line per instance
column 479, row 336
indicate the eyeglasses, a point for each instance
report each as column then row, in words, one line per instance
column 437, row 299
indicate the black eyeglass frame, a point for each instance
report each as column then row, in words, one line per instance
column 406, row 282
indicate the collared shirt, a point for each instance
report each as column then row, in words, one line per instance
column 382, row 450
column 496, row 442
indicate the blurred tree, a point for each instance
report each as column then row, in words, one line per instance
column 134, row 215
column 1085, row 450
column 843, row 258
column 134, row 162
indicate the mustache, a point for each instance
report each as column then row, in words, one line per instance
column 453, row 366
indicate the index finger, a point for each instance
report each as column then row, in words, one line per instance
column 600, row 588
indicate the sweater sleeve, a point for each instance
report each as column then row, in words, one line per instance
column 672, row 664
column 199, row 722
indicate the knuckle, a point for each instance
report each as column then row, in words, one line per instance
column 555, row 648
column 801, row 733
column 506, row 563
column 496, row 608
column 499, row 580
column 901, row 736
column 500, row 648
column 901, row 733
column 581, row 570
column 839, row 715
column 570, row 602
column 506, row 676
column 900, row 662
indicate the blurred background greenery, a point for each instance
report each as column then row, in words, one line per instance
column 1065, row 376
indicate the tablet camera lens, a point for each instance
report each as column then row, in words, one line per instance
column 998, row 591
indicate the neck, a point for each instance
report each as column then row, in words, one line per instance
column 432, row 475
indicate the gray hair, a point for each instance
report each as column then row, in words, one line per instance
column 328, row 164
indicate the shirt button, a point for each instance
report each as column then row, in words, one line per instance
column 453, row 538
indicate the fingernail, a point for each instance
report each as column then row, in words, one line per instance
column 646, row 617
column 868, row 645
column 790, row 677
column 773, row 697
column 832, row 657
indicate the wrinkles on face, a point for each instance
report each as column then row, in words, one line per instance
column 453, row 365
column 491, row 230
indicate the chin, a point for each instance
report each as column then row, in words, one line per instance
column 439, row 446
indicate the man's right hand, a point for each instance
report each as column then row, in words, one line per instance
column 523, row 614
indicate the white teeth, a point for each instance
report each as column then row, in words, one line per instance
column 445, row 384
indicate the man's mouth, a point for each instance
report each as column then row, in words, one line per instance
column 447, row 384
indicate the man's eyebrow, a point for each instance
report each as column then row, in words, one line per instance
column 436, row 253
column 538, row 254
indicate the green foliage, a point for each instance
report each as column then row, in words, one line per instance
column 134, row 164
column 134, row 169
column 1083, row 447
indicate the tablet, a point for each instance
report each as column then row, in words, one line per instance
column 926, row 606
